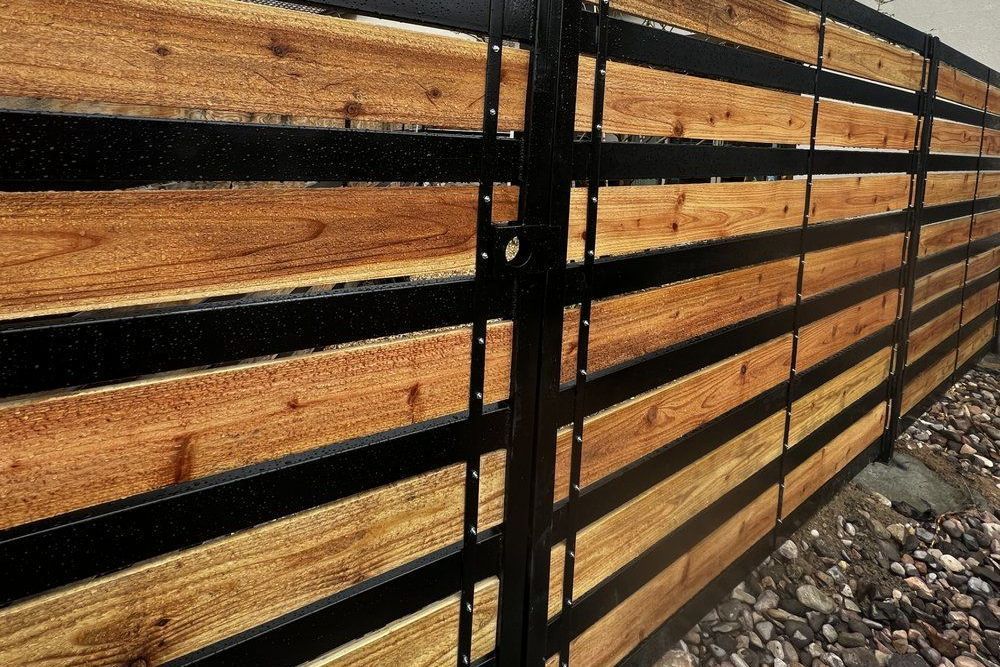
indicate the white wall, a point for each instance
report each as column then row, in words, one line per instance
column 971, row 26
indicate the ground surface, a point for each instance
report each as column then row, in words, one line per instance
column 901, row 568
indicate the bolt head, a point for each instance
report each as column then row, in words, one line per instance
column 496, row 47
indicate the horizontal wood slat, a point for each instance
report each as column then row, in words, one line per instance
column 63, row 251
column 933, row 285
column 943, row 236
column 989, row 184
column 919, row 387
column 838, row 198
column 617, row 538
column 768, row 25
column 616, row 634
column 171, row 606
column 976, row 342
column 983, row 263
column 855, row 126
column 632, row 218
column 924, row 338
column 854, row 52
column 955, row 85
column 986, row 225
column 944, row 188
column 842, row 265
column 823, row 404
column 976, row 303
column 427, row 638
column 631, row 326
column 830, row 335
column 627, row 432
column 640, row 100
column 224, row 55
column 808, row 478
column 100, row 445
column 951, row 137
column 991, row 142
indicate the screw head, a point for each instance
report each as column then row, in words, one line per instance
column 599, row 127
column 484, row 255
column 590, row 253
column 493, row 112
column 586, row 323
column 593, row 199
column 472, row 530
column 475, row 474
column 481, row 340
column 479, row 395
column 468, row 606
column 602, row 71
column 487, row 199
column 496, row 47
column 579, row 438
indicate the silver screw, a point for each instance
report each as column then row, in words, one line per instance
column 484, row 255
column 583, row 372
column 593, row 199
column 481, row 340
column 579, row 438
column 479, row 395
column 472, row 530
column 590, row 253
column 599, row 127
column 586, row 323
column 572, row 555
column 493, row 112
column 576, row 487
column 603, row 71
column 475, row 474
column 487, row 199
column 496, row 48
column 468, row 606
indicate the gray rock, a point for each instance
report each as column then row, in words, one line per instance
column 788, row 550
column 815, row 599
column 676, row 659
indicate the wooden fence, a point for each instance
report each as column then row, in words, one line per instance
column 605, row 309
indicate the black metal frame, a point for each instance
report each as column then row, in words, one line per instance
column 62, row 151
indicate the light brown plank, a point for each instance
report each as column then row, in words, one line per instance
column 943, row 236
column 983, row 263
column 851, row 125
column 986, row 225
column 824, row 403
column 64, row 251
column 947, row 187
column 989, row 184
column 640, row 100
column 991, row 142
column 617, row 538
column 807, row 478
column 993, row 101
column 628, row 431
column 950, row 137
column 830, row 335
column 924, row 338
column 919, row 387
column 223, row 55
column 854, row 52
column 976, row 342
column 632, row 218
column 933, row 285
column 842, row 265
column 955, row 85
column 179, row 603
column 627, row 327
column 100, row 445
column 839, row 198
column 616, row 634
column 428, row 638
column 976, row 303
column 768, row 25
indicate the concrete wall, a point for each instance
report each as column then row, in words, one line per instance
column 971, row 26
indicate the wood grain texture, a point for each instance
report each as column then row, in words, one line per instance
column 626, row 432
column 919, row 387
column 989, row 184
column 854, row 52
column 830, row 335
column 100, row 445
column 618, row 538
column 839, row 198
column 939, row 283
column 640, row 100
column 951, row 137
column 807, row 478
column 63, row 251
column 635, row 618
column 627, row 327
column 179, row 603
column 986, row 225
column 826, row 402
column 842, row 265
column 955, row 85
column 991, row 142
column 976, row 303
column 768, row 25
column 924, row 338
column 947, row 187
column 976, row 342
column 993, row 102
column 851, row 125
column 943, row 236
column 428, row 638
column 633, row 218
column 224, row 55
column 983, row 263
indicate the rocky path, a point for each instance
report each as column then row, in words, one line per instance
column 870, row 582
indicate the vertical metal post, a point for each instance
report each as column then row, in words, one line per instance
column 792, row 372
column 546, row 180
column 484, row 285
column 583, row 329
column 912, row 246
